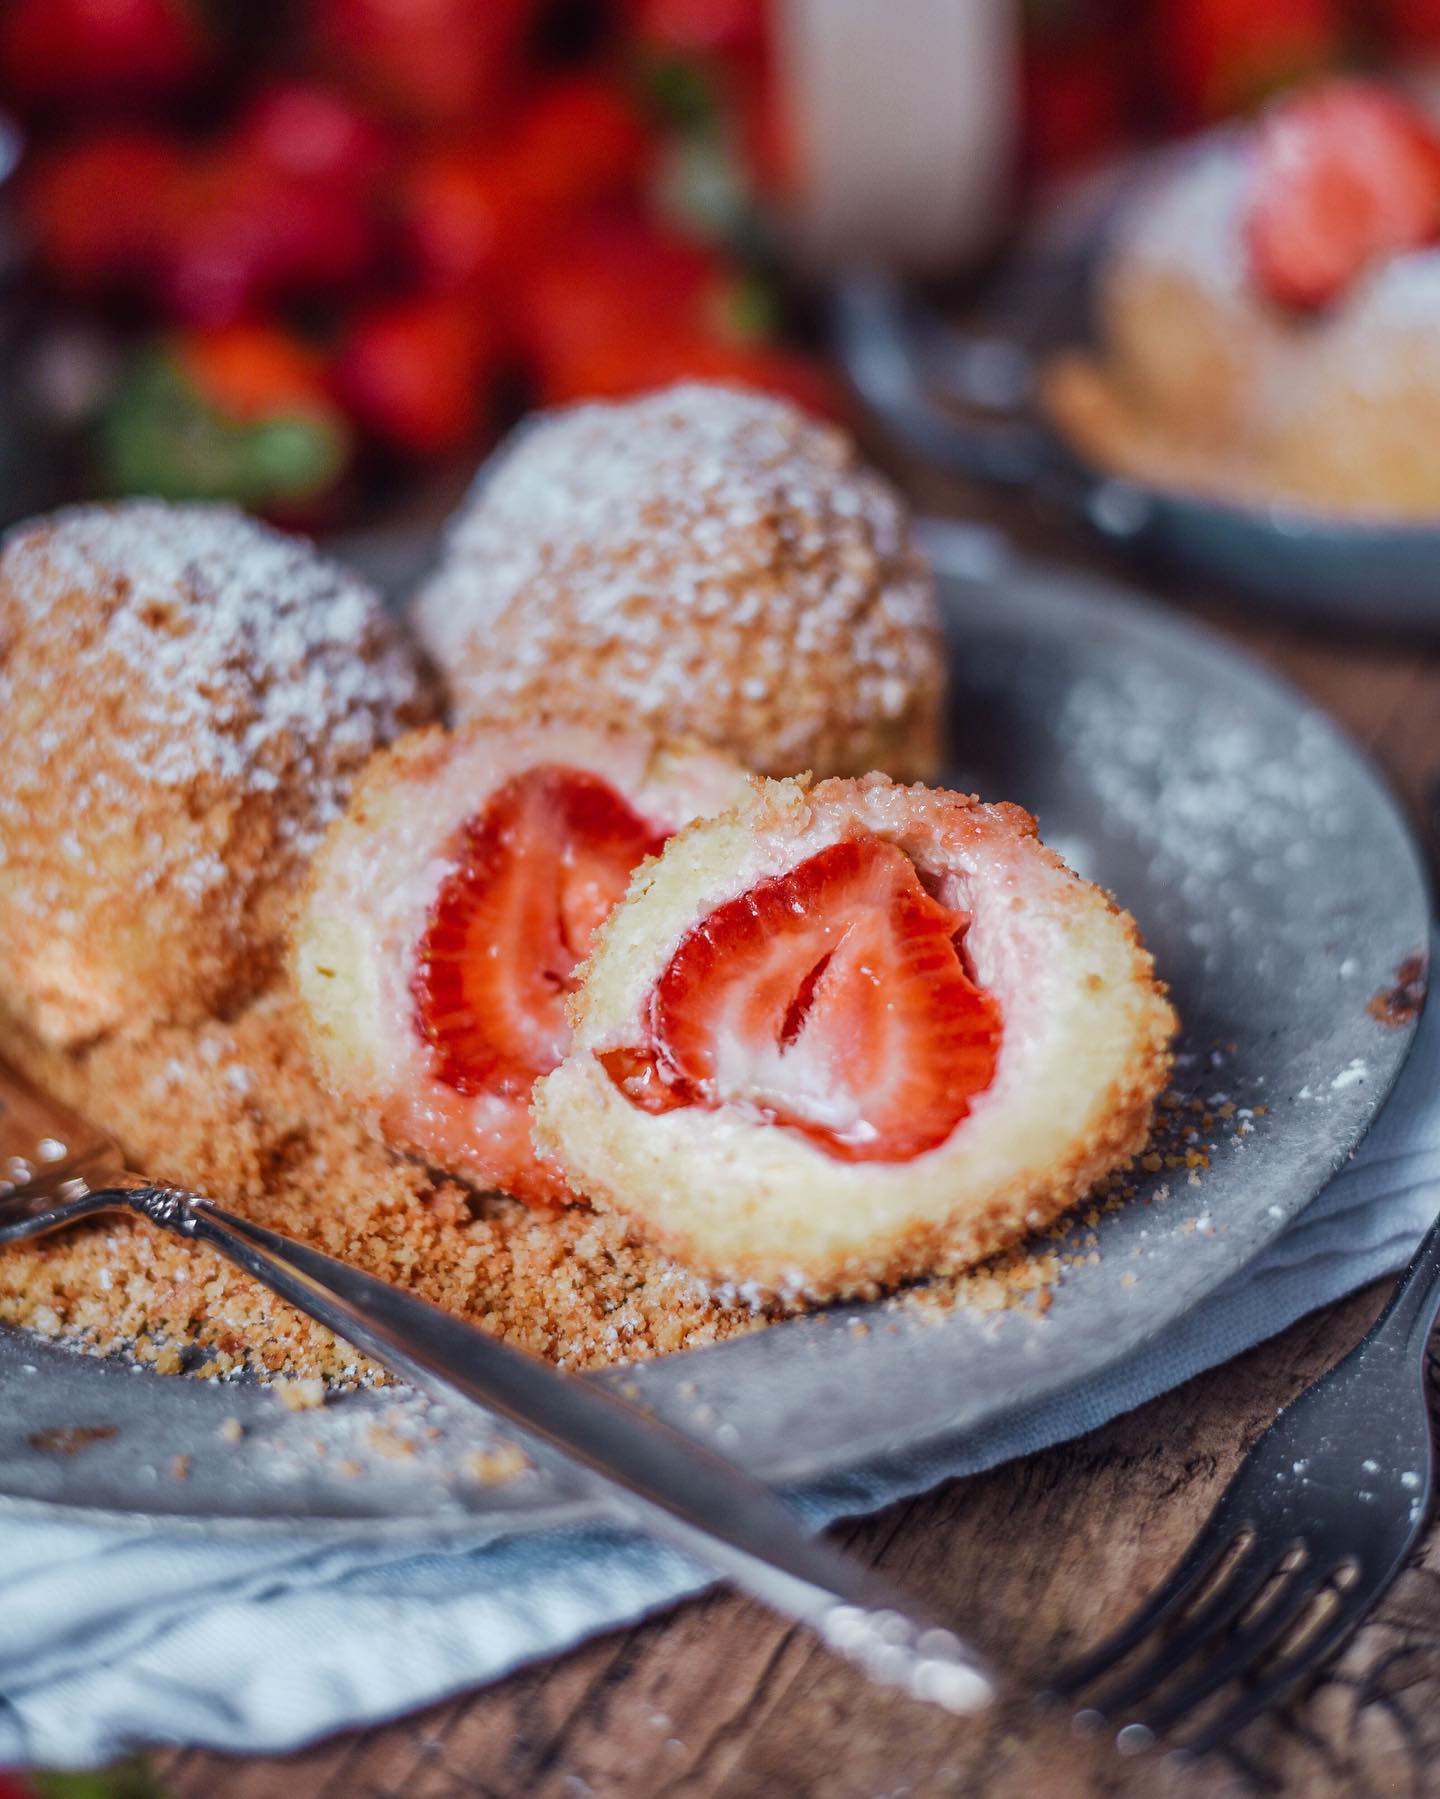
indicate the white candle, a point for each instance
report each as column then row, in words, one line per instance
column 904, row 114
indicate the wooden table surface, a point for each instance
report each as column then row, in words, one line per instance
column 1035, row 1559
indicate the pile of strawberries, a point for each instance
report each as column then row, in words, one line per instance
column 304, row 245
column 314, row 240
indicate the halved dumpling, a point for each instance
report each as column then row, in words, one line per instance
column 841, row 1034
column 446, row 912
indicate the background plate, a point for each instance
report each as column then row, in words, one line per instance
column 1368, row 572
column 1279, row 889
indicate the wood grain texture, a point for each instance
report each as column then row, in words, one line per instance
column 718, row 1700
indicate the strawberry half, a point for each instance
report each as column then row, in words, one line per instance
column 540, row 868
column 1344, row 176
column 832, row 999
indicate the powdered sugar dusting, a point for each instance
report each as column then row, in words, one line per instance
column 701, row 556
column 185, row 698
column 1404, row 294
column 1190, row 217
column 1232, row 824
column 237, row 650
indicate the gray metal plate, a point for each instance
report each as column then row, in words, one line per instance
column 1279, row 889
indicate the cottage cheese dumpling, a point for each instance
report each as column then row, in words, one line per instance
column 185, row 698
column 1242, row 359
column 447, row 913
column 842, row 1036
column 706, row 561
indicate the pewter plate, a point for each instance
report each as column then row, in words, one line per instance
column 1279, row 889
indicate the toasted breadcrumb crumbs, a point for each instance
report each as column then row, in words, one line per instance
column 302, row 1395
column 495, row 1467
column 275, row 1148
column 231, row 1109
column 389, row 1443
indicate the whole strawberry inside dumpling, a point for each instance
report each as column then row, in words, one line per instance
column 447, row 915
column 834, row 998
column 840, row 1036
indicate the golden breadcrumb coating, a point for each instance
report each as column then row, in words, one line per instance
column 1201, row 384
column 185, row 697
column 1084, row 1053
column 370, row 897
column 706, row 561
column 233, row 1110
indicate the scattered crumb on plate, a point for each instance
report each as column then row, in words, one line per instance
column 231, row 1109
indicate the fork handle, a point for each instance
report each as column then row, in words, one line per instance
column 1410, row 1312
column 654, row 1476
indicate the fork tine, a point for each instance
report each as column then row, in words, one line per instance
column 1287, row 1674
column 1239, row 1652
column 1246, row 1579
column 1199, row 1563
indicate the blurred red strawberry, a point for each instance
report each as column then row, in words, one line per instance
column 738, row 28
column 237, row 237
column 1343, row 176
column 611, row 281
column 1413, row 25
column 619, row 306
column 251, row 372
column 302, row 131
column 419, row 375
column 767, row 135
column 464, row 216
column 473, row 213
column 432, row 62
column 86, row 50
column 1075, row 104
column 580, row 141
column 95, row 208
column 1222, row 56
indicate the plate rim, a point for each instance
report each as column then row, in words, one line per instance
column 962, row 553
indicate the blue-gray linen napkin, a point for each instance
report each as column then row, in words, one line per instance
column 112, row 1639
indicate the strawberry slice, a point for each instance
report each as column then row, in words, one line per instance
column 1344, row 176
column 831, row 999
column 540, row 869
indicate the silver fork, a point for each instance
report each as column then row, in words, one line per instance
column 1313, row 1528
column 55, row 1171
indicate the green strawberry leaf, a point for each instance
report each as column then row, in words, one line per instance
column 125, row 1780
column 158, row 435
